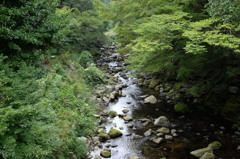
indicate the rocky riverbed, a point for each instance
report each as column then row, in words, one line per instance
column 141, row 123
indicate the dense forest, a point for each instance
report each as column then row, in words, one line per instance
column 187, row 43
column 47, row 68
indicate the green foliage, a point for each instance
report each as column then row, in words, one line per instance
column 85, row 59
column 192, row 42
column 26, row 27
column 85, row 29
column 228, row 11
column 181, row 107
column 42, row 113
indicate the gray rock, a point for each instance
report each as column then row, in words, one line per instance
column 125, row 111
column 106, row 100
column 128, row 118
column 150, row 100
column 168, row 137
column 200, row 152
column 162, row 121
column 148, row 133
column 158, row 140
column 208, row 155
column 163, row 130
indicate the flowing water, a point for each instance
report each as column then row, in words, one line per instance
column 195, row 130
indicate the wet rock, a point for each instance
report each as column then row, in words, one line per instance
column 162, row 121
column 137, row 136
column 128, row 118
column 148, row 133
column 208, row 155
column 114, row 145
column 121, row 128
column 105, row 153
column 129, row 102
column 163, row 130
column 114, row 133
column 128, row 134
column 200, row 152
column 112, row 113
column 125, row 111
column 130, row 125
column 103, row 137
column 150, row 100
column 158, row 140
column 133, row 157
column 168, row 137
column 121, row 115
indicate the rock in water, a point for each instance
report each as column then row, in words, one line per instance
column 151, row 100
column 128, row 118
column 162, row 121
column 208, row 156
column 133, row 157
column 200, row 152
column 114, row 133
column 105, row 153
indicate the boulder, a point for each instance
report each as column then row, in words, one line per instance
column 200, row 152
column 150, row 100
column 128, row 118
column 162, row 121
column 148, row 133
column 112, row 113
column 114, row 133
column 208, row 155
column 158, row 140
column 125, row 111
column 105, row 153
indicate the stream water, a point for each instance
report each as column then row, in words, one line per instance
column 195, row 130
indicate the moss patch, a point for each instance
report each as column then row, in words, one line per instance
column 114, row 133
column 181, row 107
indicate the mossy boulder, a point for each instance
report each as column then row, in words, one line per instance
column 106, row 153
column 103, row 136
column 114, row 133
column 215, row 145
column 181, row 108
column 112, row 113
